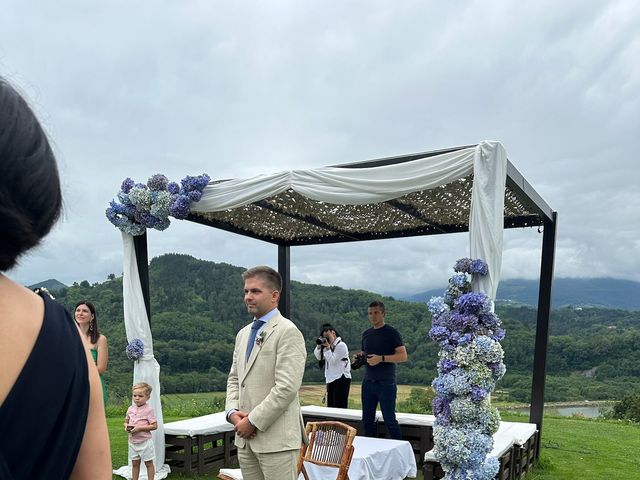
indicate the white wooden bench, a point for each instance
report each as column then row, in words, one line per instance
column 200, row 444
column 514, row 446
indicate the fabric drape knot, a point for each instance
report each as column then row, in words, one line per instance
column 252, row 337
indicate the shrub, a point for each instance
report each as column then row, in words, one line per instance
column 628, row 408
column 419, row 401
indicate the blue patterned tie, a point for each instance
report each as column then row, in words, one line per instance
column 252, row 337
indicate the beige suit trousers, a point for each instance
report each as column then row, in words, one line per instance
column 267, row 466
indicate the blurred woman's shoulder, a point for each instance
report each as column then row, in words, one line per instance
column 21, row 317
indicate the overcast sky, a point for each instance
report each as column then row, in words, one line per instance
column 236, row 89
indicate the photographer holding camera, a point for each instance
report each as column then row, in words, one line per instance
column 333, row 356
column 382, row 348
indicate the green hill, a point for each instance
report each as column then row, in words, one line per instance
column 197, row 308
column 52, row 285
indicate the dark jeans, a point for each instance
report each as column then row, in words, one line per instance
column 384, row 393
column 338, row 392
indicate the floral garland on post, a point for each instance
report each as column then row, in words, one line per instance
column 135, row 349
column 143, row 206
column 470, row 364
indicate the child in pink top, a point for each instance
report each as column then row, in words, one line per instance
column 140, row 421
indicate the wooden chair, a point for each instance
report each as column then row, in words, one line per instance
column 330, row 445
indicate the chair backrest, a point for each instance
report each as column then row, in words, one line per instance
column 330, row 444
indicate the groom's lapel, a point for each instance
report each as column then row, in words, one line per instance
column 267, row 331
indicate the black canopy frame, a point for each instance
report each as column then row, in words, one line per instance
column 288, row 219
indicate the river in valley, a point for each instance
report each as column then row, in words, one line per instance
column 587, row 411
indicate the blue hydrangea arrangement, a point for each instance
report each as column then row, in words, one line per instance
column 135, row 349
column 470, row 364
column 141, row 206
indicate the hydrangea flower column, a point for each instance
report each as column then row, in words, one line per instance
column 470, row 364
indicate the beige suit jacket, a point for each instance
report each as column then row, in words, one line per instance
column 267, row 386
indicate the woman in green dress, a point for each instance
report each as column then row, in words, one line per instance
column 87, row 320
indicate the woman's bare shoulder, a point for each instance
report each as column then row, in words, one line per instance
column 21, row 315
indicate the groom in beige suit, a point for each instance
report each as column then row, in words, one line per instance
column 262, row 389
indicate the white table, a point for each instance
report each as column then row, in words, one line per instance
column 373, row 459
column 204, row 425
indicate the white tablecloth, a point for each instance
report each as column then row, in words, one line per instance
column 205, row 425
column 332, row 413
column 373, row 459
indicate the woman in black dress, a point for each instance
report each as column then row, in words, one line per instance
column 52, row 423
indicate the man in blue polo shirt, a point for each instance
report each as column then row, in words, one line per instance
column 383, row 347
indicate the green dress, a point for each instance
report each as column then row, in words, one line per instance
column 94, row 354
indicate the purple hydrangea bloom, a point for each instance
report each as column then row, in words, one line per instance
column 479, row 267
column 173, row 188
column 473, row 302
column 180, row 207
column 441, row 408
column 439, row 333
column 147, row 219
column 498, row 334
column 489, row 320
column 127, row 185
column 447, row 365
column 459, row 280
column 190, row 183
column 462, row 265
column 158, row 182
column 195, row 195
column 124, row 198
column 135, row 349
column 478, row 394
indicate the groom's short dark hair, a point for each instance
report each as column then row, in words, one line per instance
column 271, row 277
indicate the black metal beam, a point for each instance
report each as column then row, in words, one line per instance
column 542, row 329
column 509, row 222
column 381, row 162
column 415, row 213
column 413, row 232
column 142, row 260
column 522, row 188
column 284, row 268
column 227, row 227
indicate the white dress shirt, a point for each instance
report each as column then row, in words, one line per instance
column 335, row 366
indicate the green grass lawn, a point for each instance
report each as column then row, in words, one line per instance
column 574, row 448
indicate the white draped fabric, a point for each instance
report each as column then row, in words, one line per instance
column 349, row 186
column 147, row 368
column 356, row 186
column 486, row 220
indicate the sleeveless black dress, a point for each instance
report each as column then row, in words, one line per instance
column 43, row 418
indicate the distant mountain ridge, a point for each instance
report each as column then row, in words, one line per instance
column 576, row 292
column 51, row 284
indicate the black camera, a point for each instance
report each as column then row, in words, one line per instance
column 359, row 359
column 322, row 340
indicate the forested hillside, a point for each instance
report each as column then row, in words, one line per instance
column 197, row 309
